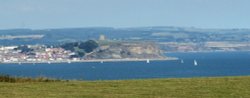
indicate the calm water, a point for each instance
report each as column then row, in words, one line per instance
column 209, row 64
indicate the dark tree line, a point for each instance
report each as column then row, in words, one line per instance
column 81, row 47
column 24, row 49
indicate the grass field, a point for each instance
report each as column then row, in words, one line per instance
column 221, row 87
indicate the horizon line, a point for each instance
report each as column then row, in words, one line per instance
column 124, row 27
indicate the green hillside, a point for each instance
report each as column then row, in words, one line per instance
column 222, row 87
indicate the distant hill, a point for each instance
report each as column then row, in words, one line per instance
column 160, row 34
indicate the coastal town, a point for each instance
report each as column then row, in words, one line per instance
column 88, row 51
column 40, row 53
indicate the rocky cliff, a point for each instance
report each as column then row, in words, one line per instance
column 123, row 50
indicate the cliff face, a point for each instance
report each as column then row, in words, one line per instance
column 139, row 50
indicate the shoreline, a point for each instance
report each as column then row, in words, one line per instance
column 205, row 51
column 114, row 60
column 96, row 60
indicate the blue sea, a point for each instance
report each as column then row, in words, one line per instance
column 210, row 64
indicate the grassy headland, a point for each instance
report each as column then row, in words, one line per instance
column 221, row 87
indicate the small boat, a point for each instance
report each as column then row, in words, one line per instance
column 182, row 61
column 195, row 63
column 69, row 61
column 49, row 62
column 148, row 61
column 101, row 62
column 19, row 63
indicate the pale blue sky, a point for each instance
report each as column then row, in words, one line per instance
column 39, row 14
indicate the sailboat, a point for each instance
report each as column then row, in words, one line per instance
column 182, row 61
column 195, row 63
column 148, row 61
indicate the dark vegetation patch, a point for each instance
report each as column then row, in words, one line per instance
column 10, row 79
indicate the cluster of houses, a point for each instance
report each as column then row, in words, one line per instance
column 39, row 53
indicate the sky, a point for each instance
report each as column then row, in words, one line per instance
column 44, row 14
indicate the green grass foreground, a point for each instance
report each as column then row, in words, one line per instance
column 221, row 87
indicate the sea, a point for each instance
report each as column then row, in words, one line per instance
column 209, row 64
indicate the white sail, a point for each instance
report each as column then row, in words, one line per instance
column 195, row 63
column 182, row 61
column 148, row 61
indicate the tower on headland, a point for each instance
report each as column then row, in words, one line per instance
column 102, row 37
